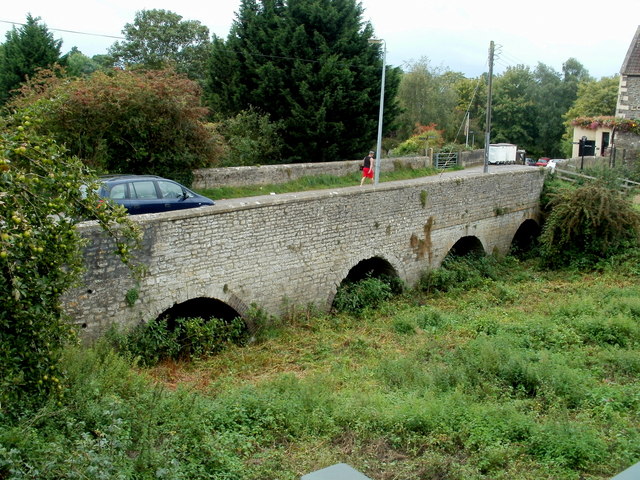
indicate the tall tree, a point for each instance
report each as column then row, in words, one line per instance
column 551, row 102
column 513, row 112
column 595, row 98
column 78, row 64
column 574, row 73
column 25, row 50
column 472, row 94
column 158, row 39
column 309, row 65
column 427, row 95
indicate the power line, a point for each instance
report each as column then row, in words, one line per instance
column 67, row 31
column 251, row 54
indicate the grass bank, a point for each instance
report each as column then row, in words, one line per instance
column 507, row 373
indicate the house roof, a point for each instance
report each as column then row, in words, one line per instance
column 631, row 65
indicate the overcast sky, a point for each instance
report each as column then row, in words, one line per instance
column 451, row 34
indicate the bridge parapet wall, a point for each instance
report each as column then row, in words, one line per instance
column 274, row 174
column 300, row 247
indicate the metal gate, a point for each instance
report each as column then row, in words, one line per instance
column 445, row 160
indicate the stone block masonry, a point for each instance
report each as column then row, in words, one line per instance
column 300, row 247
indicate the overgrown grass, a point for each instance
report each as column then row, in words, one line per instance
column 315, row 182
column 523, row 374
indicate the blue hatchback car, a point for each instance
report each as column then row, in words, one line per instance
column 149, row 194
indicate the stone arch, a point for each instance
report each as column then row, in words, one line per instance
column 467, row 245
column 525, row 236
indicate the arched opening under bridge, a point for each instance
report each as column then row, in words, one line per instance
column 468, row 245
column 375, row 267
column 525, row 237
column 202, row 307
column 371, row 268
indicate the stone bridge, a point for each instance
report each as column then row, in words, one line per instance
column 296, row 249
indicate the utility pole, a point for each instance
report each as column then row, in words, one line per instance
column 487, row 133
column 466, row 131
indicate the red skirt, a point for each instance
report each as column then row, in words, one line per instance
column 367, row 172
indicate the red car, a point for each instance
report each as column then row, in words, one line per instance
column 542, row 162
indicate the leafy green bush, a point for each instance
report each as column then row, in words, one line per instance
column 412, row 146
column 353, row 297
column 586, row 224
column 115, row 423
column 432, row 319
column 464, row 272
column 250, row 139
column 568, row 444
column 188, row 338
column 125, row 121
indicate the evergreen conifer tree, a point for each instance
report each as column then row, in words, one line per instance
column 26, row 50
column 310, row 65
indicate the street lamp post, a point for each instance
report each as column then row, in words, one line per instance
column 376, row 173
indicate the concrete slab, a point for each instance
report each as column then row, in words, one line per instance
column 631, row 473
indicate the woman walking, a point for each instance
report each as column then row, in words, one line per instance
column 367, row 168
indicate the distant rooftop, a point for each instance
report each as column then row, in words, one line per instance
column 631, row 65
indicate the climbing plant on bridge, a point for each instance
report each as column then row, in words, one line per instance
column 43, row 194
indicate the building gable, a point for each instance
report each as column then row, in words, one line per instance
column 628, row 105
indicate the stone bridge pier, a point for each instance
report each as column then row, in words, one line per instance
column 296, row 249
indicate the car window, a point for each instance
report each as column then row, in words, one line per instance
column 143, row 190
column 170, row 189
column 118, row 191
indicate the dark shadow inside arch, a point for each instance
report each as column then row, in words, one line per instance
column 467, row 246
column 375, row 267
column 202, row 307
column 525, row 238
column 349, row 297
column 372, row 267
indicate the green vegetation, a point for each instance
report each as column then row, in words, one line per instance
column 355, row 297
column 183, row 339
column 249, row 139
column 522, row 374
column 316, row 182
column 25, row 50
column 158, row 39
column 588, row 223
